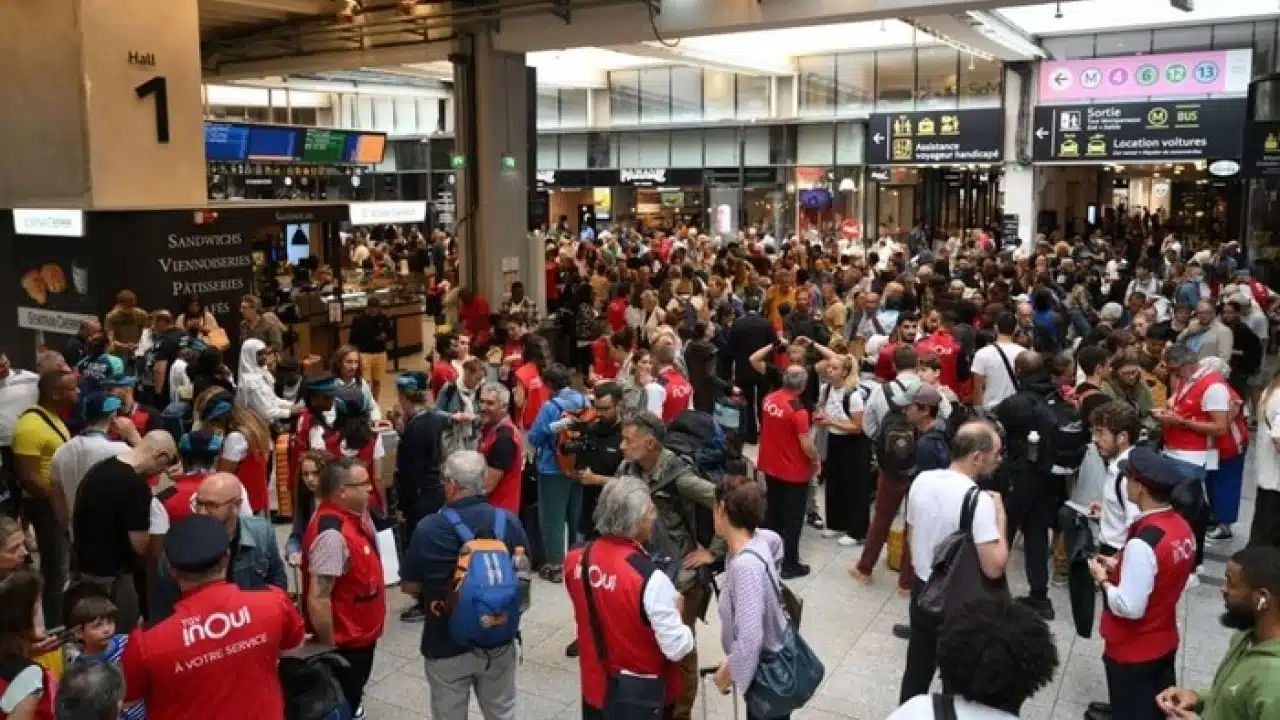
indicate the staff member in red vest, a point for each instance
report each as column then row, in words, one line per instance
column 501, row 447
column 626, row 593
column 679, row 389
column 530, row 392
column 1141, row 587
column 1199, row 412
column 608, row 352
column 788, row 458
column 317, row 400
column 216, row 656
column 346, row 602
column 199, row 451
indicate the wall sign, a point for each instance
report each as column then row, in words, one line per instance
column 1261, row 150
column 1153, row 132
column 1142, row 76
column 937, row 137
column 642, row 176
column 377, row 213
column 48, row 223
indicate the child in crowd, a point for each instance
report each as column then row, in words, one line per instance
column 93, row 615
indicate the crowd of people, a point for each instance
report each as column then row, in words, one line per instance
column 1097, row 398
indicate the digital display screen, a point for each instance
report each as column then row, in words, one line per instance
column 225, row 142
column 273, row 143
column 370, row 149
column 324, row 146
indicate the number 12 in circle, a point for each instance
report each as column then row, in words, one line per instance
column 158, row 87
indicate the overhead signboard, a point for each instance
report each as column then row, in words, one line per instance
column 1142, row 76
column 1139, row 132
column 1261, row 157
column 930, row 137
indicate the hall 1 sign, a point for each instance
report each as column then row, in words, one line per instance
column 929, row 137
column 1140, row 132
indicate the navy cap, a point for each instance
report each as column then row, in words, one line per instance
column 412, row 381
column 217, row 406
column 117, row 381
column 196, row 543
column 1148, row 467
column 99, row 405
column 325, row 385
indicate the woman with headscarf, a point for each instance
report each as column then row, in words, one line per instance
column 255, row 390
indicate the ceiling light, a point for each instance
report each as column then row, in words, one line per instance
column 1057, row 10
column 847, row 185
column 884, row 27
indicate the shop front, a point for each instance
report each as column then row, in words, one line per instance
column 939, row 167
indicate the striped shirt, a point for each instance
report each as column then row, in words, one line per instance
column 751, row 617
column 113, row 653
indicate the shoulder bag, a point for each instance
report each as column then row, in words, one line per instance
column 1013, row 378
column 944, row 707
column 626, row 696
column 957, row 573
column 788, row 677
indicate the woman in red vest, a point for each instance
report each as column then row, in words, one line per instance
column 246, row 444
column 530, row 392
column 353, row 437
column 1223, row 485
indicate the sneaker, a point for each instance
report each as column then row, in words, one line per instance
column 902, row 631
column 414, row 614
column 552, row 573
column 830, row 534
column 848, row 541
column 1100, row 707
column 815, row 520
column 572, row 650
column 1193, row 581
column 1059, row 579
column 1220, row 534
column 794, row 571
column 1042, row 605
column 359, row 713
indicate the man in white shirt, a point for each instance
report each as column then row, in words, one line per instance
column 906, row 362
column 934, row 507
column 993, row 375
column 1115, row 427
column 71, row 461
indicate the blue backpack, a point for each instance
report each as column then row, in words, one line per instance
column 484, row 607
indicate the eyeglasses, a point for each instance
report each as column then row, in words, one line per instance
column 198, row 504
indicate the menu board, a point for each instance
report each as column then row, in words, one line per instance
column 273, row 143
column 324, row 146
column 225, row 142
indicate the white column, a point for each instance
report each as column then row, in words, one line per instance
column 1019, row 183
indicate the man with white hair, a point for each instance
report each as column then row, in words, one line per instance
column 427, row 572
column 613, row 583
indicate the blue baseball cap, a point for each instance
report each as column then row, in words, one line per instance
column 217, row 406
column 119, row 381
column 324, row 385
column 99, row 405
column 412, row 381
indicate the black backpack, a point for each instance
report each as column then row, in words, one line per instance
column 1069, row 440
column 896, row 440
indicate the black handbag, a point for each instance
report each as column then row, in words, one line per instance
column 785, row 678
column 626, row 696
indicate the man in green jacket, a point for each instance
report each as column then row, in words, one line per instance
column 1247, row 684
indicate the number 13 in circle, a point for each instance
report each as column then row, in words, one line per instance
column 158, row 87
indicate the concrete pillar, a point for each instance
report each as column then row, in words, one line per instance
column 493, row 116
column 1019, row 183
column 103, row 105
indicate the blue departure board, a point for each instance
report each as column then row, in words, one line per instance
column 274, row 143
column 225, row 142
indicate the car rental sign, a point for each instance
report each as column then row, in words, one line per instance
column 1139, row 132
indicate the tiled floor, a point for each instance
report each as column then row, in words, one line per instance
column 847, row 623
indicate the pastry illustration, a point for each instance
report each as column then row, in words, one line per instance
column 33, row 283
column 54, row 279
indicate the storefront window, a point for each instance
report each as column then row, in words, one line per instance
column 548, row 152
column 936, row 77
column 754, row 97
column 573, row 152
column 895, row 79
column 548, row 108
column 1230, row 37
column 980, row 82
column 600, row 150
column 686, row 94
column 686, row 148
column 855, row 82
column 624, row 95
column 573, row 108
column 655, row 95
column 817, row 85
column 1264, row 47
column 717, row 95
column 1182, row 39
column 1069, row 48
column 815, row 144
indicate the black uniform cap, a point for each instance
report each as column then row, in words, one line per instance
column 196, row 543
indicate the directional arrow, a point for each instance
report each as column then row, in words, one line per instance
column 1042, row 133
column 877, row 138
column 1060, row 79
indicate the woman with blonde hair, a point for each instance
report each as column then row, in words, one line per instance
column 246, row 444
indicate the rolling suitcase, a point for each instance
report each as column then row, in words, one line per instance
column 703, row 674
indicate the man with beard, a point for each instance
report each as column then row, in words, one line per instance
column 1247, row 683
column 1141, row 588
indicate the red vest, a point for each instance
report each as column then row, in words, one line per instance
column 1155, row 635
column 253, row 474
column 44, row 707
column 359, row 597
column 333, row 443
column 1186, row 403
column 535, row 393
column 679, row 392
column 140, row 419
column 619, row 571
column 177, row 497
column 299, row 444
column 507, row 494
column 1232, row 443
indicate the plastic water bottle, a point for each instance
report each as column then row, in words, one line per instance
column 524, row 577
column 1033, row 446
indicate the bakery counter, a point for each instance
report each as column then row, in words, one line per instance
column 323, row 333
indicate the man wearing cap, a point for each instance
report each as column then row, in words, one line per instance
column 255, row 555
column 1141, row 587
column 143, row 418
column 112, row 520
column 216, row 655
column 72, row 460
column 342, row 583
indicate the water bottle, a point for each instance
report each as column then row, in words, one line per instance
column 1033, row 446
column 524, row 577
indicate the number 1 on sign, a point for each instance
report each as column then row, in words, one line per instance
column 158, row 87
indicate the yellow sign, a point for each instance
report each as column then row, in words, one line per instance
column 925, row 126
column 902, row 126
column 1271, row 144
column 950, row 124
column 1097, row 145
column 902, row 149
column 1069, row 147
column 1157, row 117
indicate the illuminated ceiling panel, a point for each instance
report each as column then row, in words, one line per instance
column 1089, row 16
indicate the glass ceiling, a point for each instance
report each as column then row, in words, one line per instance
column 1087, row 16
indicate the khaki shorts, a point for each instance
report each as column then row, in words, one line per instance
column 373, row 366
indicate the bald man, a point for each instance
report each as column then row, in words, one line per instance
column 255, row 556
column 113, row 519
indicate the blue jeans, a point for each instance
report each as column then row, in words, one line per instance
column 559, row 508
